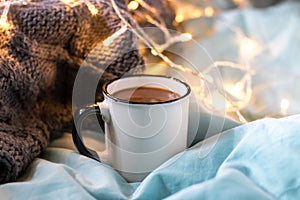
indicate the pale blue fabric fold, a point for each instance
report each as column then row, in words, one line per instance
column 258, row 160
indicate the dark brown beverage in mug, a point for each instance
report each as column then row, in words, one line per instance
column 146, row 95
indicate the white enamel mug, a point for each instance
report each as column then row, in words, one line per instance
column 138, row 136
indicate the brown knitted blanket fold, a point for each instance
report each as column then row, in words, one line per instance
column 39, row 58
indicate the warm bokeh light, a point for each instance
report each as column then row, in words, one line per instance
column 93, row 9
column 179, row 18
column 284, row 106
column 133, row 5
column 209, row 11
column 25, row 2
column 236, row 90
column 197, row 13
column 186, row 37
column 4, row 24
column 153, row 52
column 240, row 94
column 249, row 48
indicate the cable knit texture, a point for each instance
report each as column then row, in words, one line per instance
column 39, row 58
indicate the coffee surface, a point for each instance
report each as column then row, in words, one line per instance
column 146, row 95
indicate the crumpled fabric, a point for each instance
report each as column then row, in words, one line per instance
column 258, row 160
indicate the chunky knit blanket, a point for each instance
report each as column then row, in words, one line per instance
column 40, row 55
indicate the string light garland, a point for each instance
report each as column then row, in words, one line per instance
column 157, row 50
column 236, row 95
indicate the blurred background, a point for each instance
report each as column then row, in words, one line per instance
column 241, row 57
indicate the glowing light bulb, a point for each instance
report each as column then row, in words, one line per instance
column 4, row 23
column 185, row 37
column 209, row 11
column 240, row 95
column 284, row 106
column 249, row 47
column 133, row 5
column 93, row 9
column 157, row 49
column 236, row 90
column 179, row 18
column 153, row 52
column 197, row 13
column 25, row 2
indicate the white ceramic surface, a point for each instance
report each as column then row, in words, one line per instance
column 140, row 137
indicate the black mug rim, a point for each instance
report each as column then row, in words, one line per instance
column 107, row 94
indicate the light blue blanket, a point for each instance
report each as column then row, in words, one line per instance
column 258, row 160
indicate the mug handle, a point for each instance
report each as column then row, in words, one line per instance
column 79, row 117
